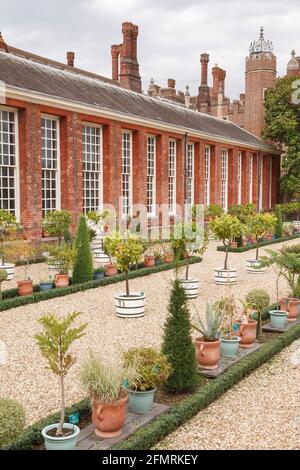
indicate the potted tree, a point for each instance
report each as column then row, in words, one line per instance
column 54, row 341
column 226, row 228
column 104, row 384
column 208, row 350
column 153, row 370
column 25, row 252
column 258, row 300
column 158, row 256
column 257, row 226
column 189, row 240
column 128, row 252
column 8, row 232
column 63, row 258
column 56, row 224
column 230, row 341
column 98, row 225
column 247, row 326
column 110, row 243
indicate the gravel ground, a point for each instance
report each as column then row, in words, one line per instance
column 24, row 375
column 258, row 413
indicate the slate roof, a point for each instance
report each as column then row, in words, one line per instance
column 28, row 72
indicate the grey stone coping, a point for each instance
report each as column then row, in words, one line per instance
column 271, row 329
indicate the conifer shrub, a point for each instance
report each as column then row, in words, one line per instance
column 279, row 224
column 12, row 421
column 178, row 345
column 83, row 265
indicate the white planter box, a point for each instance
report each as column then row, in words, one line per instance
column 101, row 257
column 225, row 276
column 10, row 269
column 191, row 287
column 130, row 307
column 296, row 223
column 97, row 244
column 52, row 266
column 251, row 267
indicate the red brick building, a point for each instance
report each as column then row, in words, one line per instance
column 70, row 139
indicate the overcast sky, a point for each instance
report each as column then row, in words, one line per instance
column 173, row 33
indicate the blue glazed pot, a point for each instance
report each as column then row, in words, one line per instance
column 99, row 276
column 46, row 286
column 61, row 443
column 141, row 402
column 278, row 318
column 158, row 262
column 229, row 347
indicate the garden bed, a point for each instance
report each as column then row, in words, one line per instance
column 12, row 300
column 242, row 249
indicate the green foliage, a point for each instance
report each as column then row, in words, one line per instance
column 152, row 367
column 242, row 212
column 63, row 257
column 57, row 224
column 282, row 126
column 290, row 208
column 54, row 341
column 178, row 345
column 128, row 252
column 242, row 249
column 287, row 265
column 103, row 382
column 258, row 299
column 110, row 244
column 213, row 210
column 3, row 277
column 259, row 224
column 12, row 421
column 214, row 318
column 8, row 229
column 226, row 228
column 83, row 263
column 278, row 225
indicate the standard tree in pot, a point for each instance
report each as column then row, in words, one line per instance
column 104, row 384
column 257, row 226
column 63, row 258
column 54, row 342
column 110, row 243
column 25, row 252
column 229, row 338
column 258, row 300
column 208, row 350
column 153, row 370
column 57, row 224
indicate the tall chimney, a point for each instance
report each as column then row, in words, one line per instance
column 204, row 59
column 115, row 52
column 70, row 58
column 171, row 83
column 129, row 67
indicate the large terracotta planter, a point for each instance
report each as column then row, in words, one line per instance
column 62, row 280
column 247, row 332
column 208, row 353
column 293, row 309
column 168, row 258
column 149, row 262
column 111, row 270
column 108, row 418
column 25, row 288
column 284, row 303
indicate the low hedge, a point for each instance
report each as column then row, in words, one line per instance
column 149, row 435
column 10, row 299
column 179, row 414
column 241, row 249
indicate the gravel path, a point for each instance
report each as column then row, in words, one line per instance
column 261, row 412
column 24, row 375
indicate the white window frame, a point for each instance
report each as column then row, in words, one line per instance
column 151, row 178
column 250, row 178
column 260, row 179
column 172, row 176
column 100, row 172
column 270, row 182
column 239, row 175
column 224, row 179
column 190, row 174
column 17, row 159
column 58, row 169
column 129, row 174
column 207, row 166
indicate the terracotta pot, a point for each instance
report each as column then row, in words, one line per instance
column 111, row 270
column 149, row 261
column 169, row 258
column 283, row 303
column 233, row 245
column 269, row 236
column 245, row 242
column 62, row 280
column 208, row 353
column 108, row 418
column 253, row 240
column 247, row 332
column 25, row 288
column 293, row 309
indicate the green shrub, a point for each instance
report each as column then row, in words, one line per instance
column 278, row 225
column 213, row 210
column 57, row 224
column 178, row 345
column 12, row 421
column 258, row 299
column 83, row 265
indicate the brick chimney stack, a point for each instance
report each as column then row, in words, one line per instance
column 219, row 76
column 70, row 58
column 203, row 98
column 204, row 59
column 3, row 45
column 129, row 67
column 115, row 53
column 171, row 83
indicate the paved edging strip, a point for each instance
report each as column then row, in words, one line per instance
column 242, row 249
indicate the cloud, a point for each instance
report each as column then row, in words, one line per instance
column 173, row 33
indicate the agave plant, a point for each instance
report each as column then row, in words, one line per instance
column 214, row 319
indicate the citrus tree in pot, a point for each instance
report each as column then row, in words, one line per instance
column 63, row 258
column 8, row 232
column 257, row 226
column 226, row 228
column 54, row 341
column 208, row 349
column 188, row 239
column 110, row 243
column 128, row 252
column 153, row 370
column 56, row 224
column 104, row 384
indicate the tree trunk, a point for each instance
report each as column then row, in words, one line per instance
column 187, row 265
column 60, row 428
column 127, row 283
column 257, row 253
column 226, row 257
column 277, row 291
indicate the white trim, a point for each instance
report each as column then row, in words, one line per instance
column 239, row 175
column 172, row 212
column 207, row 165
column 101, row 176
column 130, row 189
column 153, row 212
column 58, row 171
column 270, row 182
column 224, row 178
column 250, row 178
column 260, row 178
column 82, row 108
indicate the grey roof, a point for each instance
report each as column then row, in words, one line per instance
column 57, row 80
